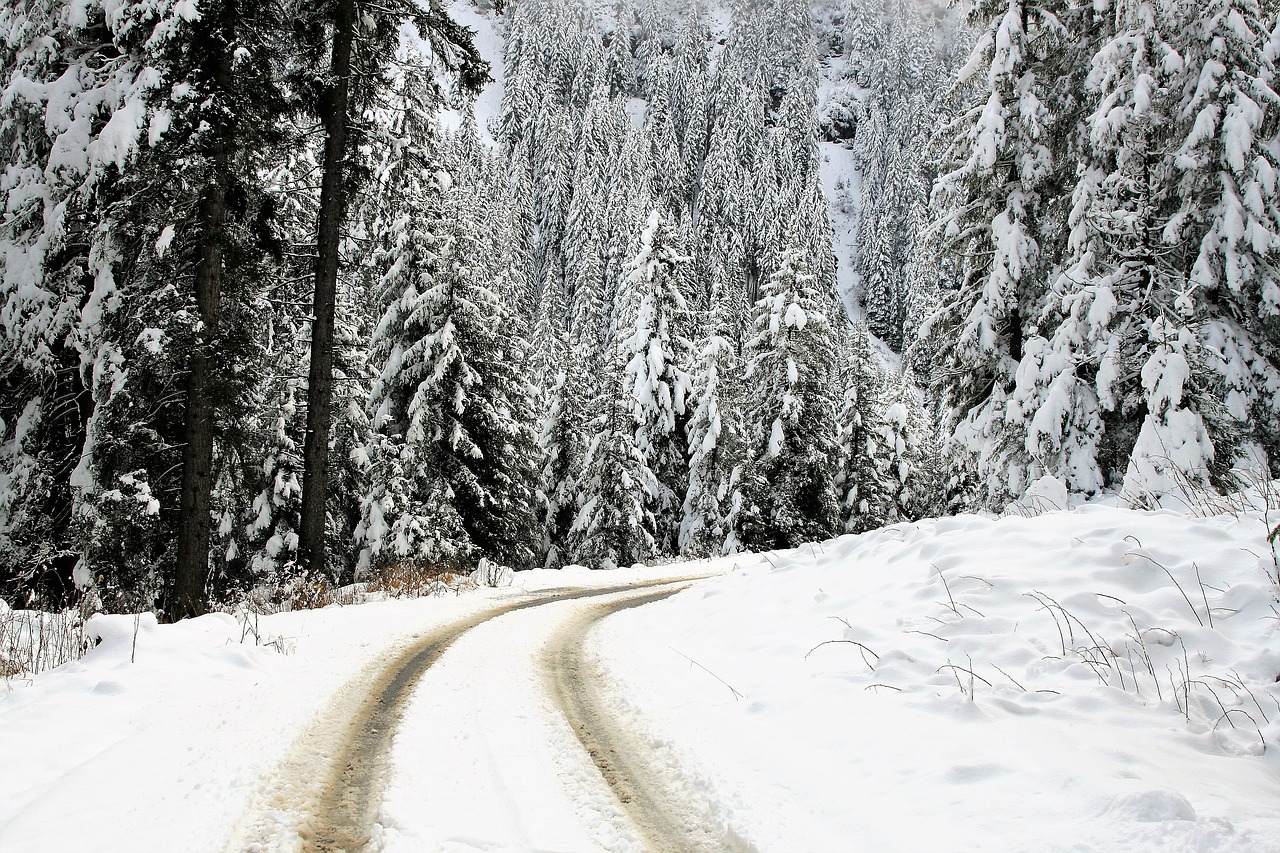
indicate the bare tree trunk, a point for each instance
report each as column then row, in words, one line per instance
column 315, row 453
column 187, row 597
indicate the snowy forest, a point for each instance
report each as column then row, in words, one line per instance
column 290, row 293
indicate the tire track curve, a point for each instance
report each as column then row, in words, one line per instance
column 670, row 817
column 325, row 796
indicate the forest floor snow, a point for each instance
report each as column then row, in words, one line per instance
column 1099, row 679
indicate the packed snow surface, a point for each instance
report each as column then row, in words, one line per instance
column 1096, row 679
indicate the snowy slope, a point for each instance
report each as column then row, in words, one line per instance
column 842, row 185
column 488, row 41
column 978, row 684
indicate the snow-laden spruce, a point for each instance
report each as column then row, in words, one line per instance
column 633, row 482
column 452, row 452
column 786, row 493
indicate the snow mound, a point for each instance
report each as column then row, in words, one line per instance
column 1048, row 494
column 1152, row 806
column 1100, row 678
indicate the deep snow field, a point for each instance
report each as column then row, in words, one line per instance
column 1095, row 679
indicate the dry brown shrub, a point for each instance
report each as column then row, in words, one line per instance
column 414, row 579
column 311, row 595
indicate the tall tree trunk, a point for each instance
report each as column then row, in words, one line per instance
column 315, row 453
column 187, row 597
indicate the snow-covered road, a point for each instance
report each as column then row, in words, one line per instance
column 503, row 692
column 205, row 736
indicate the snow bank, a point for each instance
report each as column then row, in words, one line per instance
column 1096, row 679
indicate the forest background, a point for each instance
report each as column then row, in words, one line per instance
column 282, row 302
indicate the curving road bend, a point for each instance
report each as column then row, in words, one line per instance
column 662, row 805
column 490, row 733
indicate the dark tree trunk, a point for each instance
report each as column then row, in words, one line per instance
column 187, row 597
column 315, row 453
column 1015, row 334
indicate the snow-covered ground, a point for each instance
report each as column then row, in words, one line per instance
column 1099, row 679
column 842, row 186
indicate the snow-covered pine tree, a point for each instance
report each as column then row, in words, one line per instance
column 1124, row 391
column 1229, row 214
column 670, row 183
column 910, row 459
column 354, row 375
column 656, row 357
column 165, row 333
column 350, row 47
column 453, row 454
column 43, row 282
column 689, row 94
column 562, row 433
column 873, row 252
column 599, row 230
column 729, row 212
column 1056, row 405
column 881, row 274
column 865, row 499
column 257, row 500
column 899, row 217
column 620, row 60
column 715, row 432
column 1004, row 164
column 614, row 525
column 865, row 36
column 787, row 491
column 269, row 544
column 924, row 279
column 912, row 65
column 614, row 487
column 1175, row 452
column 587, row 228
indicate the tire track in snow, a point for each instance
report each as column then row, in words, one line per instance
column 326, row 795
column 665, row 810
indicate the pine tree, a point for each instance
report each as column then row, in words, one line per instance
column 656, row 373
column 865, row 498
column 44, row 217
column 787, row 491
column 715, row 432
column 562, row 440
column 864, row 37
column 1229, row 211
column 270, row 536
column 453, row 456
column 361, row 40
column 1006, row 157
column 910, row 460
column 614, row 525
column 1125, row 390
column 172, row 266
column 620, row 63
column 1174, row 451
column 257, row 498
